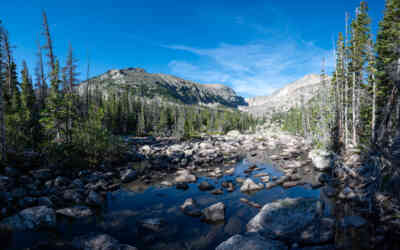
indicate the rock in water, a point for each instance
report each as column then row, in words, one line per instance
column 153, row 224
column 99, row 242
column 215, row 212
column 253, row 242
column 30, row 219
column 285, row 219
column 190, row 208
column 321, row 159
column 249, row 185
column 76, row 212
column 185, row 176
column 205, row 186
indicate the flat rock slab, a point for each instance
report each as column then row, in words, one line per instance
column 285, row 219
column 76, row 212
column 253, row 242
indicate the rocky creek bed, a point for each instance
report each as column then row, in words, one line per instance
column 258, row 191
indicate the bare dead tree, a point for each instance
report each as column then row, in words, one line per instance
column 49, row 45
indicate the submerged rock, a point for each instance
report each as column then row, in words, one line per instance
column 205, row 186
column 76, row 212
column 249, row 185
column 99, row 242
column 253, row 242
column 214, row 212
column 30, row 219
column 153, row 224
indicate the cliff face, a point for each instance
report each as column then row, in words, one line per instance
column 292, row 95
column 164, row 87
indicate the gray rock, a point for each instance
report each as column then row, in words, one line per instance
column 205, row 186
column 61, row 181
column 285, row 219
column 73, row 195
column 214, row 212
column 153, row 224
column 253, row 242
column 190, row 208
column 249, row 185
column 76, row 212
column 45, row 201
column 321, row 159
column 128, row 175
column 42, row 174
column 94, row 199
column 5, row 182
column 99, row 242
column 30, row 219
column 185, row 176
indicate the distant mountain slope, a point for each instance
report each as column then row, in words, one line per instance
column 285, row 98
column 165, row 87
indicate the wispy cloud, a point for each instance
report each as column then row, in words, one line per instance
column 256, row 68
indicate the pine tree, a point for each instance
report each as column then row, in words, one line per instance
column 388, row 52
column 360, row 36
column 141, row 121
column 27, row 105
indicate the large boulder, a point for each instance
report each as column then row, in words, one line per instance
column 321, row 159
column 249, row 185
column 214, row 212
column 253, row 242
column 285, row 219
column 30, row 219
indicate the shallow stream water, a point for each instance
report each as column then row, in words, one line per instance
column 125, row 209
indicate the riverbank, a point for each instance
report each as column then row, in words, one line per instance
column 43, row 198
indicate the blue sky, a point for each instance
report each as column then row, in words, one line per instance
column 253, row 46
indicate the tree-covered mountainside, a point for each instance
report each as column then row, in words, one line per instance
column 163, row 87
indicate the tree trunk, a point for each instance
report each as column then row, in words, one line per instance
column 354, row 109
column 373, row 122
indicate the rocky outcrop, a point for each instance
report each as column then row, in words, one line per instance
column 165, row 87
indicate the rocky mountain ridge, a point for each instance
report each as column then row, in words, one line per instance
column 292, row 95
column 164, row 87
